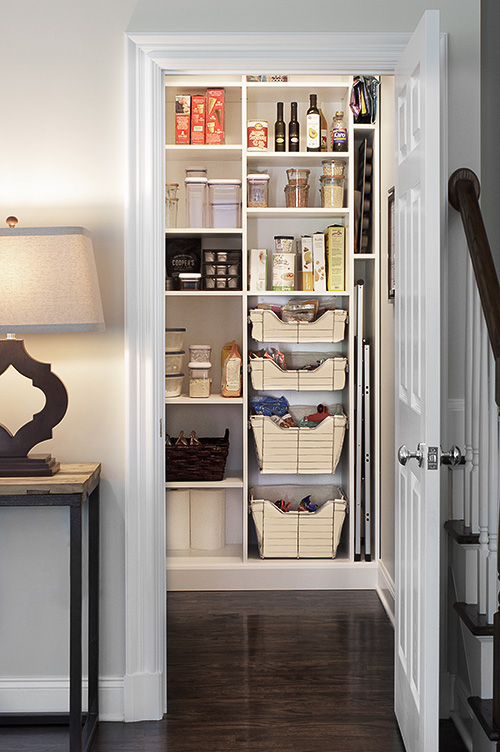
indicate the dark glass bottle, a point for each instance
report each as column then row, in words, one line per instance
column 279, row 130
column 313, row 125
column 293, row 130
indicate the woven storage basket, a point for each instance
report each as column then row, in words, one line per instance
column 203, row 461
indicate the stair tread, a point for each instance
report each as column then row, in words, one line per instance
column 483, row 710
column 473, row 620
column 459, row 532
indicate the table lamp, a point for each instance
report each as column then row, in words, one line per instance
column 48, row 283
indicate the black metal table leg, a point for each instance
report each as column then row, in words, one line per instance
column 75, row 630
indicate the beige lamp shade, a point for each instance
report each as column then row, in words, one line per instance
column 48, row 281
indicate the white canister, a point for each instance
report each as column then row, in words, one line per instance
column 177, row 524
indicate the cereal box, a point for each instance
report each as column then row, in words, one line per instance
column 214, row 126
column 306, row 255
column 335, row 250
column 319, row 262
column 197, row 119
column 182, row 119
column 257, row 269
column 284, row 271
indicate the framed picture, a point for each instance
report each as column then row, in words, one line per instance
column 391, row 243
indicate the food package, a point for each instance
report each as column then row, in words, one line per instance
column 214, row 126
column 198, row 119
column 257, row 269
column 284, row 271
column 306, row 254
column 335, row 250
column 182, row 119
column 319, row 262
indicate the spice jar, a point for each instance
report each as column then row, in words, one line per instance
column 332, row 192
column 199, row 379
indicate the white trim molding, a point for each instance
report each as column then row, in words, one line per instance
column 51, row 695
column 148, row 57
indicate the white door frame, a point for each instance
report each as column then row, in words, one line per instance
column 149, row 55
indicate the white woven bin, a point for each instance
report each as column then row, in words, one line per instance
column 268, row 327
column 307, row 451
column 293, row 534
column 329, row 376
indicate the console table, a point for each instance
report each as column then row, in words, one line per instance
column 73, row 486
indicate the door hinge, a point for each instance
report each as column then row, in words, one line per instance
column 161, row 428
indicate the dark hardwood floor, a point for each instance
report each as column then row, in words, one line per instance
column 264, row 672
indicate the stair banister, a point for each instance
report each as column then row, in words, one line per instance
column 463, row 194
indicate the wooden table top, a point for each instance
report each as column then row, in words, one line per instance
column 72, row 478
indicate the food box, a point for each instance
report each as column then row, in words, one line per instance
column 284, row 271
column 306, row 254
column 198, row 119
column 335, row 245
column 182, row 119
column 214, row 125
column 319, row 260
column 293, row 534
column 268, row 327
column 329, row 376
column 257, row 266
column 307, row 451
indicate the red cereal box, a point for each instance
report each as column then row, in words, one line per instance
column 214, row 128
column 182, row 119
column 197, row 119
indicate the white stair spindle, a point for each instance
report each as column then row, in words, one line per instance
column 493, row 495
column 469, row 365
column 483, row 468
column 476, row 419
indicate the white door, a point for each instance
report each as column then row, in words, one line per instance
column 418, row 228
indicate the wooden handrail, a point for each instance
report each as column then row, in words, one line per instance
column 463, row 194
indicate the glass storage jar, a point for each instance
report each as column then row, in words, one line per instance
column 332, row 192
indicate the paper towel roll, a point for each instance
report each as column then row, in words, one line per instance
column 208, row 519
column 177, row 519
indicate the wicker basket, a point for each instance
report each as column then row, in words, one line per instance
column 203, row 461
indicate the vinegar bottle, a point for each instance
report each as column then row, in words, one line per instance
column 339, row 133
column 313, row 142
column 279, row 130
column 293, row 129
column 231, row 373
column 324, row 131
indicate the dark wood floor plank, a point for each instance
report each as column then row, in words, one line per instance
column 301, row 671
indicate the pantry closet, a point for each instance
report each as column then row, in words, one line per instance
column 216, row 544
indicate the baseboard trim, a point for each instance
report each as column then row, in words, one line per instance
column 386, row 591
column 51, row 695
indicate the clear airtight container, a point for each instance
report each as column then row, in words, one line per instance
column 332, row 192
column 258, row 190
column 224, row 197
column 173, row 361
column 200, row 353
column 174, row 339
column 196, row 202
column 173, row 384
column 199, row 379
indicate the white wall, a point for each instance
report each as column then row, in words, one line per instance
column 63, row 162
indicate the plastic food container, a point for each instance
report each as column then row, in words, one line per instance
column 298, row 176
column 224, row 198
column 173, row 362
column 258, row 190
column 296, row 196
column 200, row 353
column 174, row 339
column 196, row 202
column 283, row 243
column 332, row 192
column 173, row 384
column 199, row 379
column 171, row 205
column 189, row 281
column 196, row 171
column 333, row 167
